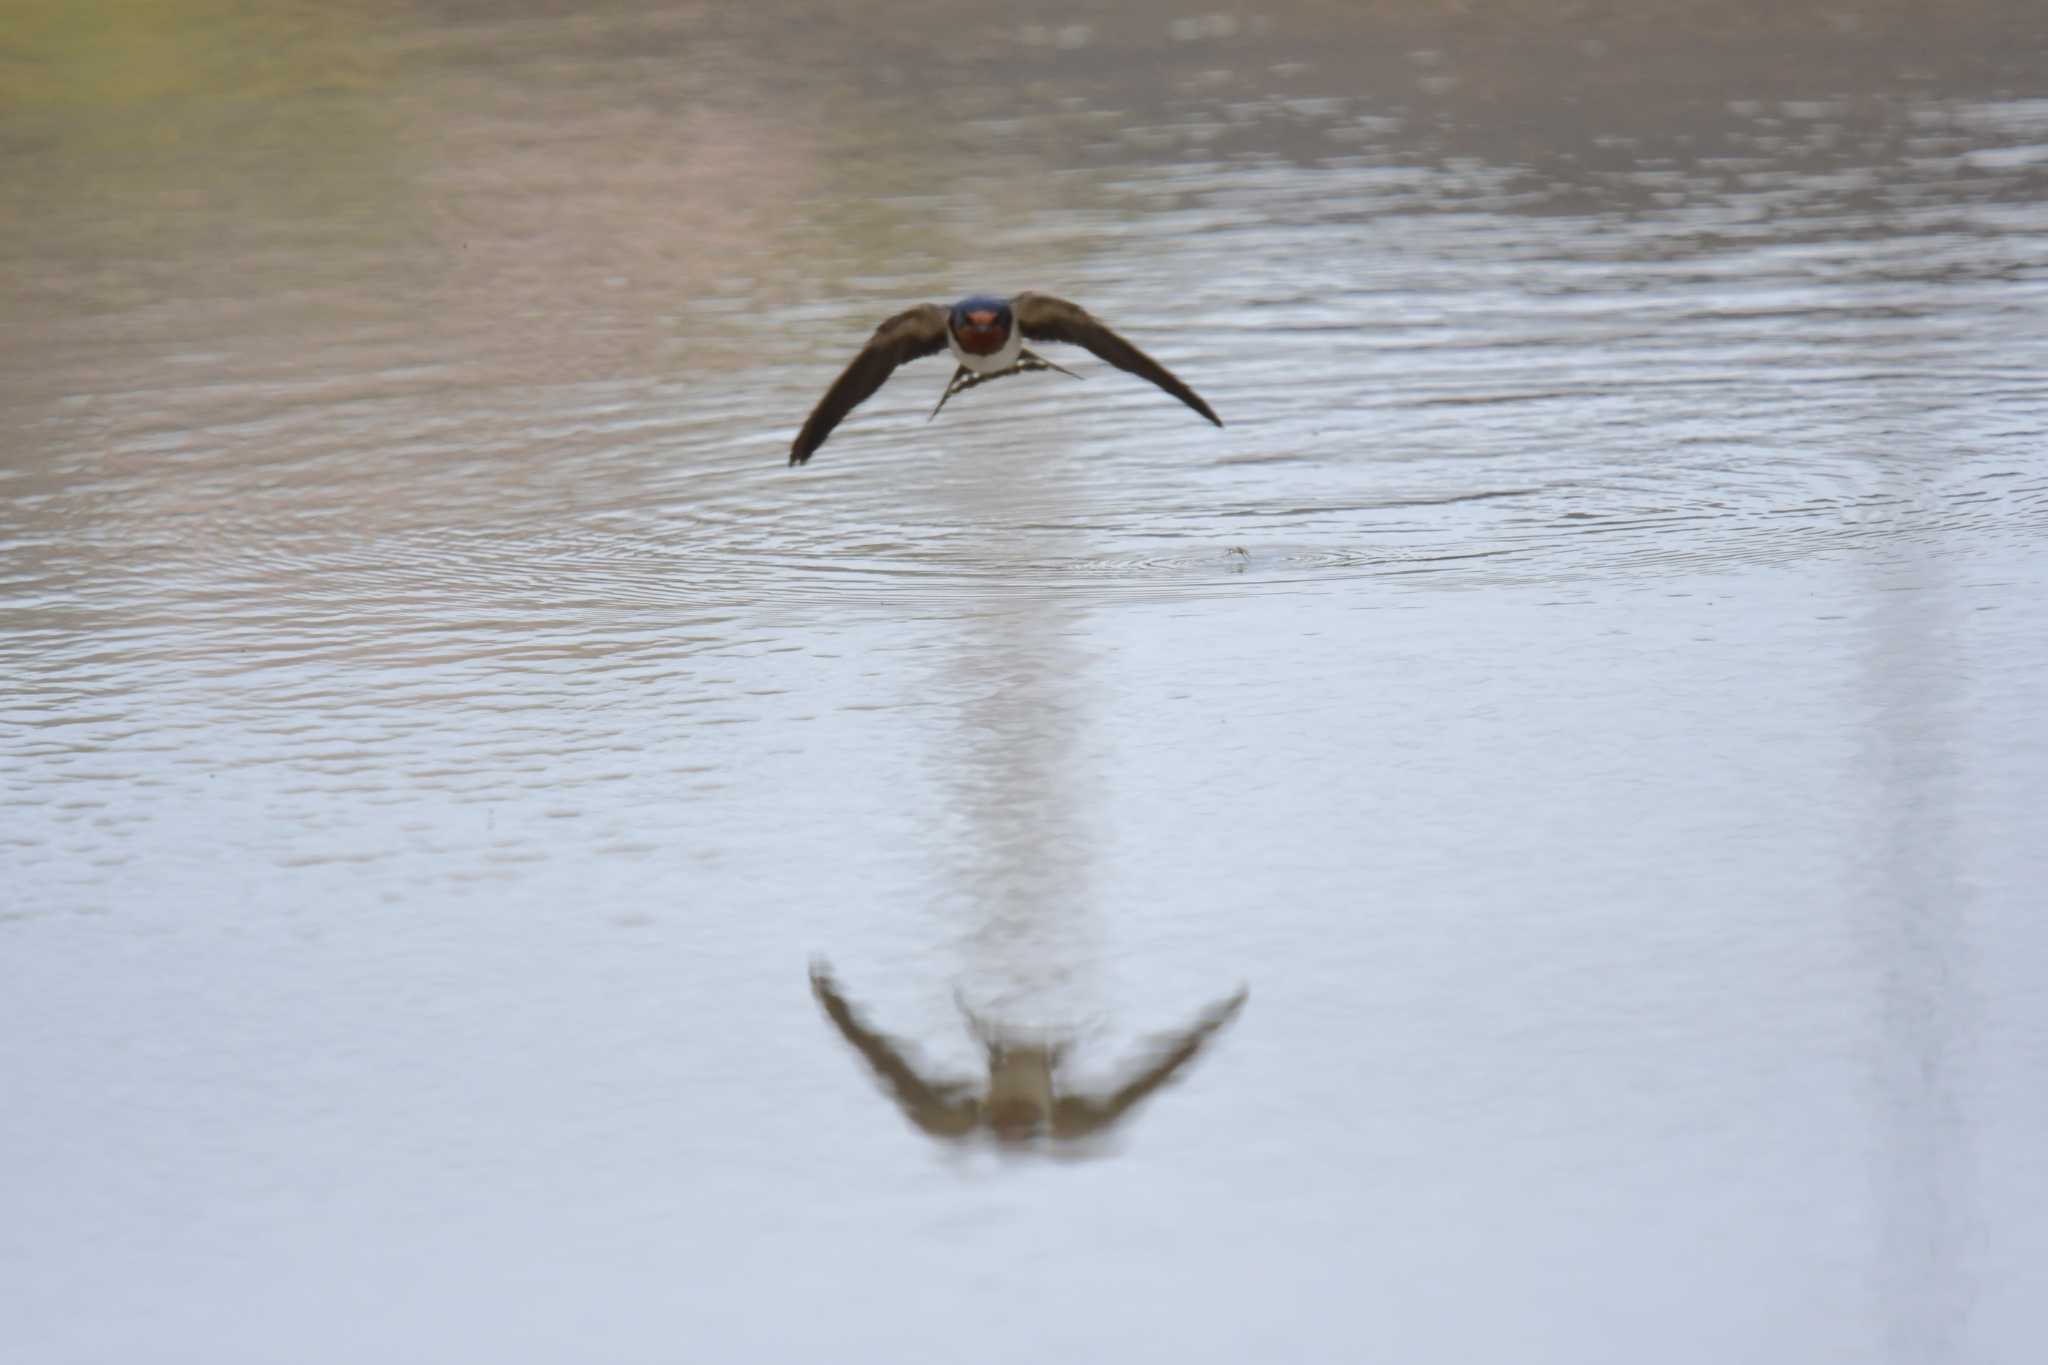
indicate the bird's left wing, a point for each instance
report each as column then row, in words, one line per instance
column 1084, row 1116
column 912, row 333
column 1045, row 318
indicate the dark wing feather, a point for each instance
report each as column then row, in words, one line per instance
column 1083, row 1116
column 914, row 332
column 1045, row 318
column 942, row 1108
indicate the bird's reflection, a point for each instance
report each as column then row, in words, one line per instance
column 1022, row 1101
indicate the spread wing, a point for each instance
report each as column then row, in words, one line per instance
column 914, row 332
column 1084, row 1116
column 1045, row 318
column 942, row 1108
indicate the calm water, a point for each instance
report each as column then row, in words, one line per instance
column 1589, row 695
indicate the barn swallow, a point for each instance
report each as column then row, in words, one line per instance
column 987, row 336
column 1023, row 1100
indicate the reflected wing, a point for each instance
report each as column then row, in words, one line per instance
column 1083, row 1116
column 941, row 1108
column 914, row 332
column 1045, row 318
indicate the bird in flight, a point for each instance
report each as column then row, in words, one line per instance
column 1024, row 1101
column 987, row 336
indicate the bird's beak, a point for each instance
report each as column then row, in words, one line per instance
column 981, row 333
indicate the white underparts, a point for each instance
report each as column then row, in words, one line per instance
column 1002, row 358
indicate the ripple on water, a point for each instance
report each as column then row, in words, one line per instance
column 1427, row 384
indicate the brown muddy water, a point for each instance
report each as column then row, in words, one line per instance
column 499, row 867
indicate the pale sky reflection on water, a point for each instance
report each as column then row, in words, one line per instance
column 1588, row 695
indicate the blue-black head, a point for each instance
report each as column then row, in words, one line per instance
column 981, row 323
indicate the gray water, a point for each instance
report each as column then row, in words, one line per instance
column 1588, row 695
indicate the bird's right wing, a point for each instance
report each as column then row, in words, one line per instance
column 942, row 1108
column 911, row 334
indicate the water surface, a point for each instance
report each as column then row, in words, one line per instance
column 1588, row 694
